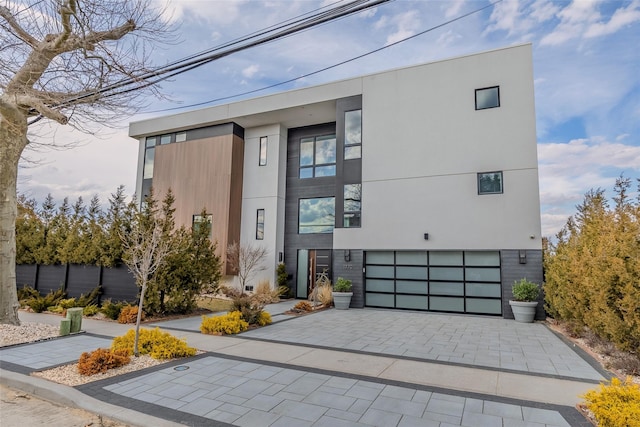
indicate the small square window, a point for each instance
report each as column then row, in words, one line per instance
column 181, row 136
column 263, row 151
column 487, row 98
column 202, row 221
column 165, row 139
column 490, row 183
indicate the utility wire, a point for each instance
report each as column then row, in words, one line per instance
column 224, row 98
column 181, row 67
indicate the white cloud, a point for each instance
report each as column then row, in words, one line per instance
column 574, row 19
column 569, row 170
column 453, row 8
column 407, row 24
column 621, row 18
column 219, row 12
column 250, row 71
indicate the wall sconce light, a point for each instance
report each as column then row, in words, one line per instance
column 522, row 257
column 347, row 255
column 426, row 236
column 280, row 256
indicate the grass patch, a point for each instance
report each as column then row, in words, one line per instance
column 214, row 304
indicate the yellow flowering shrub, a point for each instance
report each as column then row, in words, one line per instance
column 228, row 324
column 155, row 343
column 616, row 404
column 264, row 318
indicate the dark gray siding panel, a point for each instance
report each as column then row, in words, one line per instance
column 51, row 278
column 118, row 284
column 351, row 270
column 82, row 279
column 26, row 275
column 512, row 271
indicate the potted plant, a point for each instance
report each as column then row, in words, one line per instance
column 525, row 300
column 342, row 293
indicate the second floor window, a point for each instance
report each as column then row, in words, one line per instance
column 318, row 156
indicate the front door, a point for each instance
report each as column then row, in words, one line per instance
column 312, row 265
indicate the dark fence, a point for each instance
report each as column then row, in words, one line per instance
column 117, row 283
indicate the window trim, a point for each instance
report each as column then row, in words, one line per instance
column 262, row 151
column 482, row 193
column 487, row 88
column 260, row 222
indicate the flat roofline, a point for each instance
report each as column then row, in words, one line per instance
column 284, row 100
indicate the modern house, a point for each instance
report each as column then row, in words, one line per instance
column 419, row 184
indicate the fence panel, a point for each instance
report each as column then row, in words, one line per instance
column 118, row 284
column 50, row 278
column 82, row 279
column 26, row 275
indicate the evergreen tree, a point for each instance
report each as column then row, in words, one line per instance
column 29, row 235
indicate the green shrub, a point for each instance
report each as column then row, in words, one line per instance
column 525, row 290
column 91, row 298
column 616, row 404
column 342, row 285
column 250, row 308
column 27, row 293
column 67, row 303
column 90, row 310
column 129, row 314
column 41, row 303
column 112, row 309
column 228, row 324
column 101, row 360
column 155, row 343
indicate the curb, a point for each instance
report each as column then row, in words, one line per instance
column 70, row 397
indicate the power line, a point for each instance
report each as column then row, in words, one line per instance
column 224, row 98
column 180, row 67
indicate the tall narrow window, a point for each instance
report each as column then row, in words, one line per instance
column 490, row 183
column 353, row 134
column 318, row 156
column 263, row 151
column 352, row 205
column 149, row 154
column 260, row 225
column 488, row 97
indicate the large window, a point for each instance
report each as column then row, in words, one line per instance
column 490, row 183
column 316, row 215
column 260, row 224
column 487, row 98
column 353, row 134
column 263, row 151
column 318, row 156
column 352, row 205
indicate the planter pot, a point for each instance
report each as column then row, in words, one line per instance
column 342, row 300
column 524, row 311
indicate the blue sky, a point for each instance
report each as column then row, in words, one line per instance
column 586, row 70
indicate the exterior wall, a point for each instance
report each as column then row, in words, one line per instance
column 423, row 145
column 513, row 270
column 204, row 173
column 263, row 189
column 351, row 270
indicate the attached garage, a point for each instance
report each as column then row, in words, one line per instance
column 445, row 281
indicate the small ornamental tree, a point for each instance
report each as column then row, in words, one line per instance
column 246, row 260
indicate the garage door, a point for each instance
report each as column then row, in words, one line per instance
column 446, row 281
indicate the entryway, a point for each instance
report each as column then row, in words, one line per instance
column 311, row 264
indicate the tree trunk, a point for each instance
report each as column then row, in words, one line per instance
column 11, row 146
column 136, row 353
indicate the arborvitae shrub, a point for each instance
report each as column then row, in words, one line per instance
column 129, row 314
column 155, row 343
column 101, row 360
column 228, row 324
column 616, row 404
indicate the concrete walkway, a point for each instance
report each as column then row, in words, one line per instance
column 334, row 368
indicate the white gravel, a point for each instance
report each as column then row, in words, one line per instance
column 26, row 332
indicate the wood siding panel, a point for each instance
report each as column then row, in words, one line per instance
column 205, row 173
